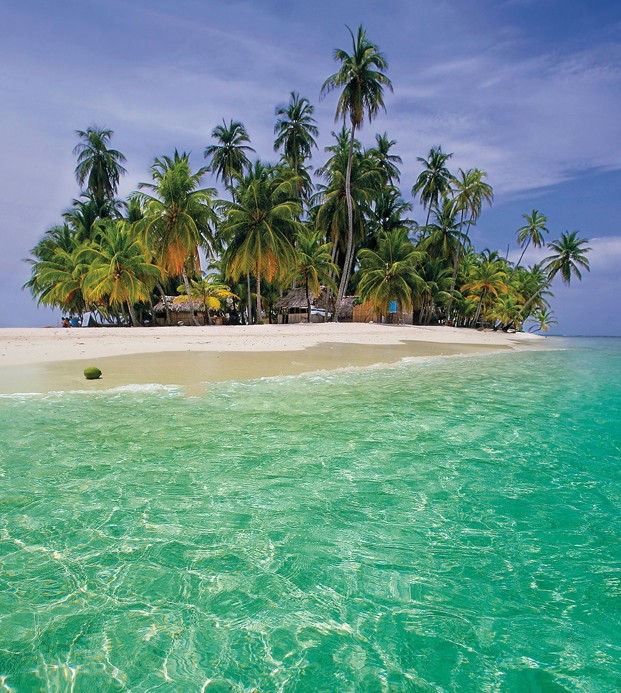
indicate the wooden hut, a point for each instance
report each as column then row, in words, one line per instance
column 180, row 313
column 294, row 308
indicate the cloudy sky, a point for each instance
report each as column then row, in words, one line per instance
column 528, row 90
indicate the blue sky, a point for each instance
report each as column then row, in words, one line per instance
column 529, row 91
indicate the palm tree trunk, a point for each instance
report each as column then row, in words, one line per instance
column 308, row 305
column 450, row 303
column 478, row 313
column 532, row 298
column 132, row 314
column 164, row 301
column 518, row 262
column 350, row 229
column 249, row 300
column 189, row 293
column 259, row 315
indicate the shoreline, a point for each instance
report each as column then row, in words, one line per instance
column 42, row 361
column 23, row 346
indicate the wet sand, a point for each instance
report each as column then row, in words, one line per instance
column 190, row 370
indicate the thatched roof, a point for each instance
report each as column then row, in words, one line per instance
column 296, row 298
column 181, row 307
column 347, row 307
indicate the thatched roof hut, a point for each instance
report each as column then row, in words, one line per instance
column 180, row 311
column 179, row 307
column 295, row 300
column 294, row 303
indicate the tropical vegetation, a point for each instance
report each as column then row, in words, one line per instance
column 342, row 223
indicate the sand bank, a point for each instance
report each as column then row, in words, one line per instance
column 44, row 360
column 41, row 345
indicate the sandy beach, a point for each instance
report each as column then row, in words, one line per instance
column 20, row 346
column 51, row 359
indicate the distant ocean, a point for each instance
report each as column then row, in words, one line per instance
column 451, row 524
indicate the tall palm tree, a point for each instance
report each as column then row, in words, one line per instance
column 295, row 129
column 313, row 264
column 100, row 165
column 366, row 179
column 261, row 224
column 532, row 232
column 228, row 157
column 568, row 257
column 470, row 193
column 179, row 216
column 389, row 273
column 435, row 181
column 385, row 160
column 119, row 271
column 363, row 80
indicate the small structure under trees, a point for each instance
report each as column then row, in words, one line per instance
column 293, row 307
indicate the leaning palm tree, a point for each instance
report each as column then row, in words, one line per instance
column 389, row 274
column 179, row 216
column 228, row 157
column 363, row 80
column 119, row 272
column 435, row 181
column 531, row 232
column 568, row 257
column 261, row 224
column 296, row 130
column 313, row 264
column 98, row 164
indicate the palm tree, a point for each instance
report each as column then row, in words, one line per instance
column 440, row 239
column 228, row 157
column 543, row 319
column 435, row 286
column 387, row 214
column 486, row 282
column 295, row 130
column 313, row 264
column 435, row 181
column 179, row 216
column 361, row 76
column 332, row 214
column 119, row 271
column 389, row 273
column 384, row 159
column 530, row 233
column 568, row 257
column 261, row 225
column 470, row 193
column 57, row 273
column 100, row 165
column 208, row 291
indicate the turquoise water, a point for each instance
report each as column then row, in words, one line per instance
column 448, row 525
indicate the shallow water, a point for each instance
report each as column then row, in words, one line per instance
column 451, row 524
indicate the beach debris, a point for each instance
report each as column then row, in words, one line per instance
column 92, row 373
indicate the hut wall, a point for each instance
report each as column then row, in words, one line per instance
column 364, row 312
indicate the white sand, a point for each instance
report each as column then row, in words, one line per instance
column 42, row 345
